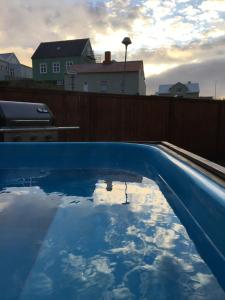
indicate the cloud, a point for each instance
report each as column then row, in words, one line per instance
column 206, row 73
column 159, row 60
column 29, row 23
column 165, row 33
column 213, row 5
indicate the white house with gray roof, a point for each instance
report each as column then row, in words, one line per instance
column 107, row 77
column 186, row 90
column 12, row 69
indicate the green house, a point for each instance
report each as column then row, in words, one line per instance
column 51, row 60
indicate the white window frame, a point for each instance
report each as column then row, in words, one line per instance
column 56, row 67
column 43, row 68
column 69, row 63
column 85, row 87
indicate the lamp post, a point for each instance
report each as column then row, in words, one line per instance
column 126, row 41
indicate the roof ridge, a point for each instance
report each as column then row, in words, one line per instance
column 132, row 66
column 112, row 62
column 180, row 82
column 64, row 41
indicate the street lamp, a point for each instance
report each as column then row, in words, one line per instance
column 126, row 41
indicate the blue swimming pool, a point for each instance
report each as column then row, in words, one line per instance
column 108, row 221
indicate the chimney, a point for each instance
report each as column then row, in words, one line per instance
column 107, row 58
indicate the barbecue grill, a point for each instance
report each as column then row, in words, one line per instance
column 24, row 121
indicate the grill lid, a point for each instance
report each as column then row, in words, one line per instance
column 15, row 114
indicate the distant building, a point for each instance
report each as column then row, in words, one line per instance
column 51, row 60
column 107, row 77
column 186, row 90
column 4, row 69
column 12, row 69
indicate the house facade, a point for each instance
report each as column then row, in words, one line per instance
column 4, row 69
column 51, row 60
column 107, row 77
column 185, row 90
column 12, row 69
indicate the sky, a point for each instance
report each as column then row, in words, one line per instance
column 178, row 40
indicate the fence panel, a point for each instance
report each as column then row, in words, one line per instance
column 196, row 125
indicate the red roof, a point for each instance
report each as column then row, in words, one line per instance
column 131, row 66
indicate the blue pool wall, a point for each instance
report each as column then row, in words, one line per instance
column 197, row 200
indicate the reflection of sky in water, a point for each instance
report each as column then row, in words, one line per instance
column 96, row 247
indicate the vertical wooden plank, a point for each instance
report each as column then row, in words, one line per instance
column 221, row 137
column 194, row 126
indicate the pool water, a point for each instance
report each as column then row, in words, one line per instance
column 95, row 234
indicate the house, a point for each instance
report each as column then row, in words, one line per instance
column 51, row 60
column 12, row 69
column 4, row 69
column 186, row 90
column 107, row 77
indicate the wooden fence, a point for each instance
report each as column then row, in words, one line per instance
column 195, row 125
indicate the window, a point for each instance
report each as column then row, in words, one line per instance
column 43, row 68
column 56, row 67
column 85, row 86
column 89, row 52
column 69, row 64
column 104, row 86
column 60, row 82
column 12, row 72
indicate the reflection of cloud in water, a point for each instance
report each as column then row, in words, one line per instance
column 89, row 274
column 168, row 278
column 84, row 269
column 204, row 287
column 133, row 230
column 139, row 195
column 40, row 285
column 32, row 195
column 120, row 293
column 104, row 250
column 129, row 248
column 165, row 238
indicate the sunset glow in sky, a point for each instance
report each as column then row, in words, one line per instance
column 179, row 40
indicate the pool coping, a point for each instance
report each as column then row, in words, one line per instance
column 209, row 168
